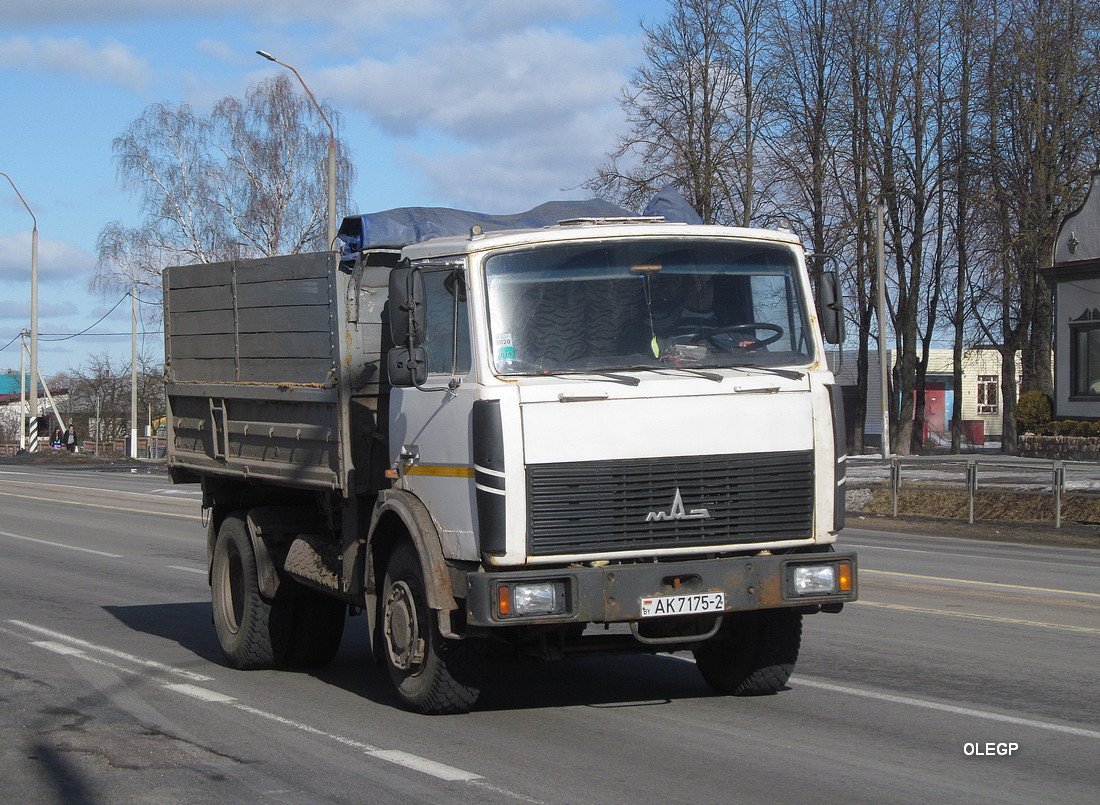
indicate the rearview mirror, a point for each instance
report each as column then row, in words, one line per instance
column 831, row 307
column 406, row 306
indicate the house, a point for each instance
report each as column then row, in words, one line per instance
column 11, row 392
column 980, row 394
column 1074, row 277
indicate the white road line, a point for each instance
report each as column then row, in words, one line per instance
column 408, row 761
column 59, row 545
column 187, row 569
column 87, row 646
column 976, row 616
column 440, row 770
column 1042, row 562
column 201, row 693
column 59, row 648
column 925, row 704
column 414, row 762
column 970, row 712
column 67, row 645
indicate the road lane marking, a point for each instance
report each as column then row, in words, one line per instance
column 195, row 692
column 406, row 760
column 409, row 761
column 60, row 648
column 187, row 569
column 88, row 646
column 440, row 770
column 103, row 506
column 925, row 704
column 975, row 616
column 864, row 570
column 941, row 554
column 59, row 545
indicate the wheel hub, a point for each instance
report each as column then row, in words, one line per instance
column 404, row 642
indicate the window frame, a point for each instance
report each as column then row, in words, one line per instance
column 988, row 385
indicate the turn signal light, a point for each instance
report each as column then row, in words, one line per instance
column 844, row 577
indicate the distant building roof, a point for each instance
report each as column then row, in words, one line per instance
column 9, row 384
column 10, row 391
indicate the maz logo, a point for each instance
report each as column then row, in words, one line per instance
column 678, row 512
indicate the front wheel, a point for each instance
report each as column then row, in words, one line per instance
column 432, row 674
column 756, row 656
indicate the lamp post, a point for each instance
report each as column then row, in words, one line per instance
column 32, row 443
column 331, row 150
column 880, row 306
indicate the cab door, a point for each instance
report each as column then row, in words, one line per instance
column 430, row 422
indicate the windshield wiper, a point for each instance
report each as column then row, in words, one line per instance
column 790, row 374
column 624, row 379
column 717, row 378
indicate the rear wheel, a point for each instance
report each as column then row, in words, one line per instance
column 432, row 674
column 247, row 629
column 756, row 656
column 299, row 628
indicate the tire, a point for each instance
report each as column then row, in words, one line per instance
column 756, row 657
column 432, row 675
column 243, row 618
column 300, row 628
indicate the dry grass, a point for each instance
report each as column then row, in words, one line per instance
column 996, row 506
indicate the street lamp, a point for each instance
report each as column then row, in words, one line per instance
column 32, row 444
column 331, row 150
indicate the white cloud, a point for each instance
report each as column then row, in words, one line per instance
column 59, row 263
column 76, row 12
column 112, row 62
column 533, row 79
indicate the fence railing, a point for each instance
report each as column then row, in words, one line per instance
column 147, row 447
column 1019, row 476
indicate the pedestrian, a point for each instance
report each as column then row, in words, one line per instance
column 56, row 441
column 69, row 439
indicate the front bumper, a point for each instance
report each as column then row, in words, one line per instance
column 613, row 593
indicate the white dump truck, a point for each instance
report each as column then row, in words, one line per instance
column 601, row 435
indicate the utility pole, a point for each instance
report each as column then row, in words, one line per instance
column 31, row 444
column 133, row 372
column 883, row 369
column 331, row 150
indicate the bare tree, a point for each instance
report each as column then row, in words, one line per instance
column 681, row 106
column 247, row 180
column 1040, row 106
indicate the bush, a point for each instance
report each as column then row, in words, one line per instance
column 1072, row 427
column 1033, row 412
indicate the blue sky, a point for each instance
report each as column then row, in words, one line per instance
column 491, row 105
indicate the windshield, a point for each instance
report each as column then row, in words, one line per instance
column 645, row 304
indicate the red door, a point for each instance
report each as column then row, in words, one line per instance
column 935, row 406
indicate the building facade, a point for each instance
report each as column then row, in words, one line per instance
column 1074, row 277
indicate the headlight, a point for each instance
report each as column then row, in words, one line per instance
column 531, row 598
column 813, row 579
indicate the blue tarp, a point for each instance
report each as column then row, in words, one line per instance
column 399, row 227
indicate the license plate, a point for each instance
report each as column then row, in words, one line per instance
column 682, row 604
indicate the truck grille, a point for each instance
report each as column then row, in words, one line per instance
column 595, row 506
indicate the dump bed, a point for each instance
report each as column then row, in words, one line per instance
column 265, row 360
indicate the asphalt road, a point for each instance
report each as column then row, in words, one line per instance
column 967, row 673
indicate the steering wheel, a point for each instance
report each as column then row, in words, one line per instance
column 728, row 345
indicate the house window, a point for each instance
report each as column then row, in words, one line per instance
column 1085, row 361
column 987, row 394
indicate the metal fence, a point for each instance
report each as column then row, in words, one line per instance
column 1005, row 475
